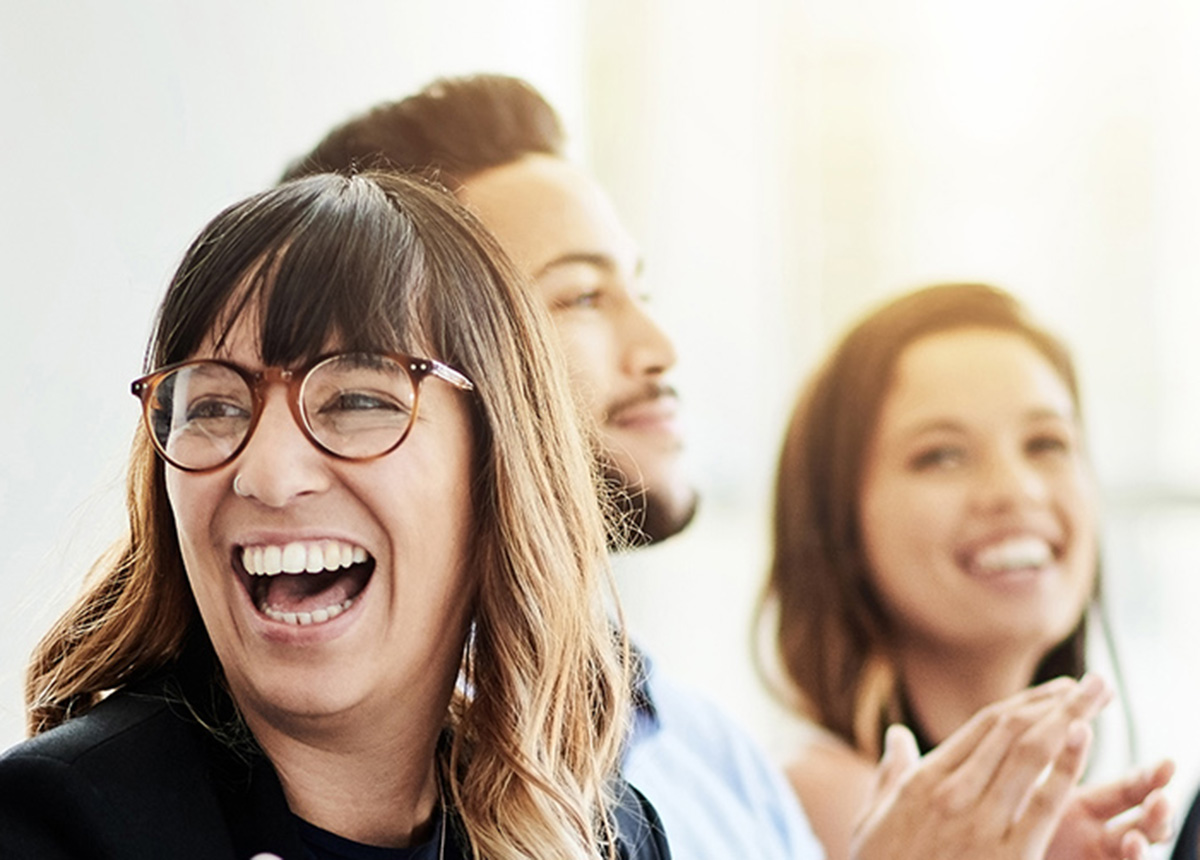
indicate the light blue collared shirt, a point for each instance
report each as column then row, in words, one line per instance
column 718, row 796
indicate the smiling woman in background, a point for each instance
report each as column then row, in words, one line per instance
column 936, row 549
column 361, row 610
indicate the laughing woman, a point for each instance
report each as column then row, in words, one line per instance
column 935, row 550
column 361, row 609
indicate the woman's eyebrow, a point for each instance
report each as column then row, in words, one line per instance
column 930, row 425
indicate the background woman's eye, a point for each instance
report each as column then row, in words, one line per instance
column 941, row 457
column 1048, row 444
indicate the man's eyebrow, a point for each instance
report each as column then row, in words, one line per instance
column 604, row 262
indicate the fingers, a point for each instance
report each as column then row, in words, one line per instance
column 900, row 755
column 1023, row 735
column 1134, row 846
column 1150, row 826
column 1089, row 698
column 1040, row 745
column 1019, row 802
column 952, row 752
column 962, row 788
column 1155, row 820
column 1002, row 781
column 1112, row 798
column 1037, row 816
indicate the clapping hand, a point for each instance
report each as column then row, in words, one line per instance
column 1116, row 821
column 997, row 789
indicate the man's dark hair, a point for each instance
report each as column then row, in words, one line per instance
column 450, row 130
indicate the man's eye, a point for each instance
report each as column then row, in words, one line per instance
column 581, row 299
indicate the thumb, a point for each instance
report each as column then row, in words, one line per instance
column 900, row 755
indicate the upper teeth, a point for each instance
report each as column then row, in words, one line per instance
column 1015, row 554
column 300, row 557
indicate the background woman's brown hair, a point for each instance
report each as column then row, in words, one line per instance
column 831, row 633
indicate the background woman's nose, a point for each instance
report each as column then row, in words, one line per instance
column 1008, row 479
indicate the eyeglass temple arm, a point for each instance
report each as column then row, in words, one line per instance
column 444, row 372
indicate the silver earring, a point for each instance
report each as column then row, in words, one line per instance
column 237, row 490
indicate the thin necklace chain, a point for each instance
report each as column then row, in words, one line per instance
column 442, row 839
column 442, row 804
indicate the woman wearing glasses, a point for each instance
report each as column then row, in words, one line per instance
column 935, row 549
column 360, row 611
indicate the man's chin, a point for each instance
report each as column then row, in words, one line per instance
column 646, row 517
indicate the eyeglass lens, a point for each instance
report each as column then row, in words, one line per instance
column 356, row 406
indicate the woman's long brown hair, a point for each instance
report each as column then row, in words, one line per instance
column 382, row 262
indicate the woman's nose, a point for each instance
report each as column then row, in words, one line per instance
column 279, row 462
column 1009, row 480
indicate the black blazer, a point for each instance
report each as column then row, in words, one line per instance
column 138, row 778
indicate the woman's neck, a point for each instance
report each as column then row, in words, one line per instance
column 363, row 782
column 943, row 692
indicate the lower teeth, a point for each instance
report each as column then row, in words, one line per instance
column 303, row 619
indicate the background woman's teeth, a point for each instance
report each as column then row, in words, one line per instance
column 1016, row 554
column 272, row 560
column 316, row 559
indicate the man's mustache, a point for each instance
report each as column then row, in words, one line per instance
column 648, row 393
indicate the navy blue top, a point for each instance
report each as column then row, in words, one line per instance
column 141, row 776
column 329, row 846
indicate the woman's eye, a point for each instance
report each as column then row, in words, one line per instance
column 359, row 401
column 1047, row 444
column 942, row 457
column 211, row 409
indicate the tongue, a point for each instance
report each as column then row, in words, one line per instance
column 308, row 592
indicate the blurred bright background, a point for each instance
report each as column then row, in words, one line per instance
column 785, row 166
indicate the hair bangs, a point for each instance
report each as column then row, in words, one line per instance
column 324, row 263
column 346, row 280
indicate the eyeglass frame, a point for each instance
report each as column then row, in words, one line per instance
column 418, row 369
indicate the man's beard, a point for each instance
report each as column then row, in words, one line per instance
column 642, row 516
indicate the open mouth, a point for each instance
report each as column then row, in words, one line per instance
column 1025, row 553
column 304, row 582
